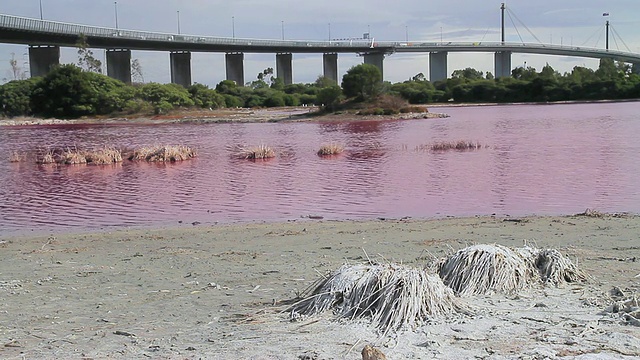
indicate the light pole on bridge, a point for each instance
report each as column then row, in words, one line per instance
column 178, row 13
column 282, row 23
column 41, row 18
column 607, row 31
column 115, row 6
column 233, row 27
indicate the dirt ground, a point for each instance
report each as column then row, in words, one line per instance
column 219, row 292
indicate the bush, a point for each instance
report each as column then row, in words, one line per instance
column 165, row 97
column 15, row 97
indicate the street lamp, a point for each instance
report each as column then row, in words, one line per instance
column 41, row 18
column 178, row 12
column 329, row 31
column 282, row 22
column 406, row 33
column 233, row 27
column 115, row 6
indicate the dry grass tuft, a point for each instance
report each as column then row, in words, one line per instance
column 105, row 156
column 480, row 269
column 72, row 157
column 166, row 153
column 330, row 149
column 391, row 295
column 256, row 152
column 460, row 145
column 46, row 157
column 555, row 269
column 16, row 157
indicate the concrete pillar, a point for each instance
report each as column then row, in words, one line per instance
column 42, row 59
column 438, row 66
column 181, row 68
column 502, row 64
column 235, row 67
column 284, row 67
column 376, row 59
column 330, row 66
column 119, row 64
column 635, row 68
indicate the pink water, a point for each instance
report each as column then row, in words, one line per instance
column 539, row 159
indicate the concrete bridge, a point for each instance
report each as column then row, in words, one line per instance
column 46, row 37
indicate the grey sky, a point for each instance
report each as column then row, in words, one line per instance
column 577, row 22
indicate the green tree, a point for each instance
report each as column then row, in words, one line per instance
column 165, row 97
column 69, row 92
column 362, row 82
column 86, row 60
column 205, row 97
column 136, row 72
column 330, row 97
column 467, row 74
column 15, row 97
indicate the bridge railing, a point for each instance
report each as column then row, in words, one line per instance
column 54, row 27
column 57, row 28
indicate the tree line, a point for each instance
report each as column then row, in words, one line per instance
column 72, row 91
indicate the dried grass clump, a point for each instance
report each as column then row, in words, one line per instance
column 16, row 156
column 480, row 269
column 256, row 152
column 72, row 157
column 555, row 269
column 166, row 153
column 460, row 145
column 46, row 157
column 392, row 296
column 331, row 149
column 104, row 156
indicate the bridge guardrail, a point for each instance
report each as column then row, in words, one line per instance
column 54, row 27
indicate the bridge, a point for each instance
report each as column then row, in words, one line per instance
column 45, row 38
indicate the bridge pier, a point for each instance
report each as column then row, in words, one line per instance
column 503, row 64
column 438, row 66
column 284, row 67
column 376, row 59
column 235, row 67
column 330, row 66
column 181, row 68
column 42, row 59
column 119, row 64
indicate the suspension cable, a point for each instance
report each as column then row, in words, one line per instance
column 525, row 26
column 620, row 37
column 515, row 27
column 485, row 34
column 598, row 31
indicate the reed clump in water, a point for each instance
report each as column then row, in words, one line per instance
column 460, row 145
column 259, row 152
column 16, row 157
column 72, row 156
column 330, row 149
column 104, row 156
column 46, row 157
column 164, row 153
column 391, row 295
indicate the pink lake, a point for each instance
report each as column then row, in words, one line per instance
column 538, row 160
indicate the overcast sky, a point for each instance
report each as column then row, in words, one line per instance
column 567, row 22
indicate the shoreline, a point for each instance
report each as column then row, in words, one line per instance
column 220, row 291
column 291, row 113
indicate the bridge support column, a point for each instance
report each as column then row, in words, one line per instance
column 119, row 64
column 330, row 66
column 438, row 66
column 42, row 59
column 235, row 67
column 181, row 68
column 284, row 67
column 503, row 64
column 376, row 59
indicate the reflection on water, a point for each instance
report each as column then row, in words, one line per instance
column 558, row 159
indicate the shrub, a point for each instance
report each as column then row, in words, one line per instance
column 256, row 152
column 331, row 149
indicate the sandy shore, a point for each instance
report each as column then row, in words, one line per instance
column 218, row 292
